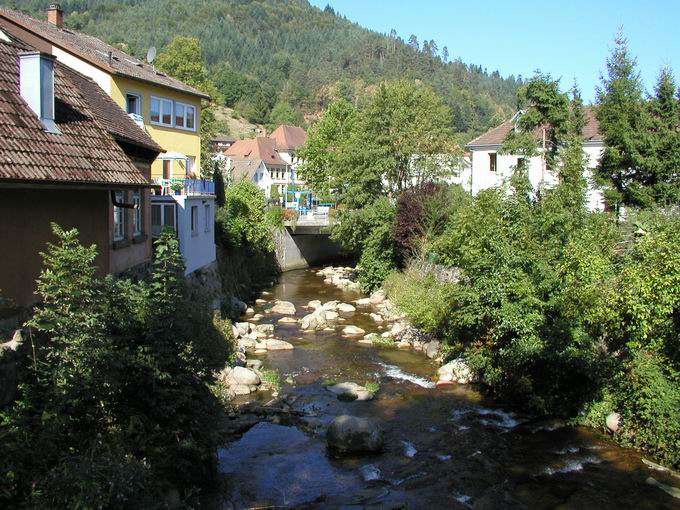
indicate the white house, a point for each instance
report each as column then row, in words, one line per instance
column 258, row 160
column 192, row 215
column 487, row 168
column 288, row 140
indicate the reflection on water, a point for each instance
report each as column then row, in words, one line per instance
column 444, row 447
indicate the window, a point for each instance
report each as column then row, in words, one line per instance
column 133, row 103
column 493, row 161
column 161, row 111
column 194, row 220
column 207, row 222
column 185, row 116
column 137, row 218
column 162, row 215
column 521, row 162
column 119, row 218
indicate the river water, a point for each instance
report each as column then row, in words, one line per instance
column 446, row 448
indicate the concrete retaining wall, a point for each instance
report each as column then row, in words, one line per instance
column 301, row 250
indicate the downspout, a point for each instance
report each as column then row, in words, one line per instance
column 122, row 205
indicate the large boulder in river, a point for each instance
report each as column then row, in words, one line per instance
column 277, row 345
column 353, row 434
column 353, row 331
column 458, row 371
column 346, row 308
column 349, row 391
column 244, row 376
column 378, row 297
column 314, row 321
column 283, row 308
column 432, row 349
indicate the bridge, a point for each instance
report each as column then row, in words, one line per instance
column 306, row 242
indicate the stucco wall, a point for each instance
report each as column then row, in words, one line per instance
column 482, row 177
column 197, row 249
column 171, row 139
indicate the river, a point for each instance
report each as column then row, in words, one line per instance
column 448, row 447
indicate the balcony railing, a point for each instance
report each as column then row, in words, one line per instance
column 186, row 186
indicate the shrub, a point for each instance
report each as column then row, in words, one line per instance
column 242, row 222
column 116, row 400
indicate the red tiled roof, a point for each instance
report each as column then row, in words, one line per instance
column 289, row 137
column 496, row 136
column 96, row 52
column 256, row 149
column 84, row 153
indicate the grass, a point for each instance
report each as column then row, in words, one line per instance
column 383, row 342
column 330, row 382
column 272, row 378
column 372, row 386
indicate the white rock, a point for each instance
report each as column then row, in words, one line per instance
column 458, row 371
column 331, row 306
column 287, row 320
column 243, row 328
column 331, row 316
column 378, row 297
column 363, row 302
column 346, row 308
column 242, row 375
column 352, row 331
column 284, row 308
column 376, row 317
column 249, row 311
column 278, row 345
column 263, row 328
column 257, row 317
column 613, row 422
column 261, row 301
column 314, row 304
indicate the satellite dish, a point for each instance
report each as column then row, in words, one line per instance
column 151, row 55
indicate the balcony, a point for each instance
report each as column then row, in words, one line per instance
column 185, row 186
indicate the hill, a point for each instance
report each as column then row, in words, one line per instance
column 291, row 57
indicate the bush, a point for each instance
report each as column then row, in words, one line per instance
column 116, row 401
column 243, row 221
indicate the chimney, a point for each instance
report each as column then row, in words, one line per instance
column 36, row 85
column 55, row 15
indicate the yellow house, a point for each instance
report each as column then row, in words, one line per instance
column 168, row 109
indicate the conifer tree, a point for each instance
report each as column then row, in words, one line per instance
column 624, row 122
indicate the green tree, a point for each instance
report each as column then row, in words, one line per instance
column 284, row 113
column 625, row 123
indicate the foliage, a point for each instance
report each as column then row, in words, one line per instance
column 291, row 51
column 399, row 139
column 272, row 379
column 372, row 386
column 284, row 113
column 116, row 398
column 243, row 221
column 218, row 179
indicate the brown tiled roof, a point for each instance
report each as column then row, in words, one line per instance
column 256, row 149
column 84, row 153
column 289, row 137
column 223, row 139
column 244, row 168
column 110, row 115
column 96, row 52
column 496, row 136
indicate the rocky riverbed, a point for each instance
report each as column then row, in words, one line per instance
column 367, row 417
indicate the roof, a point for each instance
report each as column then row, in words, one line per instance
column 222, row 139
column 496, row 136
column 96, row 52
column 244, row 168
column 289, row 137
column 84, row 153
column 256, row 149
column 110, row 115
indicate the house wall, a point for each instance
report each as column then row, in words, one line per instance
column 101, row 78
column 198, row 249
column 133, row 251
column 25, row 228
column 171, row 139
column 480, row 177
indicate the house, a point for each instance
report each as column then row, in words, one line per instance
column 258, row 160
column 220, row 143
column 488, row 168
column 69, row 155
column 168, row 109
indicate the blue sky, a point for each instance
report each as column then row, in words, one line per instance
column 568, row 39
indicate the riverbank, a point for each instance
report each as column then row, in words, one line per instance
column 444, row 447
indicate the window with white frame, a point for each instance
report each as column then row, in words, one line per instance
column 185, row 116
column 133, row 103
column 161, row 111
column 194, row 220
column 137, row 217
column 206, row 220
column 162, row 215
column 119, row 218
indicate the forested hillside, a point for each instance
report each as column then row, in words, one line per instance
column 291, row 57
